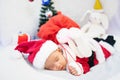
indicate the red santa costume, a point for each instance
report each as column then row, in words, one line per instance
column 74, row 50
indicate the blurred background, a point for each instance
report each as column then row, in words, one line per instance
column 23, row 16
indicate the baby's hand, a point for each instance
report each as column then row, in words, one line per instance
column 72, row 70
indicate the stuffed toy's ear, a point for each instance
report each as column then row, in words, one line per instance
column 84, row 19
column 82, row 43
column 63, row 35
column 104, row 21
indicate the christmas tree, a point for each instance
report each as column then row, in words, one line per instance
column 47, row 11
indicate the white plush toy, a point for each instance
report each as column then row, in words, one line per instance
column 96, row 25
column 76, row 41
column 97, row 22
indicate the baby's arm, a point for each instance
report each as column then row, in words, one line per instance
column 75, row 68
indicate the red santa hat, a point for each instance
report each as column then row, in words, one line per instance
column 38, row 51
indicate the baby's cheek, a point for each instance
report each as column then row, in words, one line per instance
column 54, row 68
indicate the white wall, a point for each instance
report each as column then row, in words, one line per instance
column 115, row 22
column 18, row 15
column 76, row 8
column 22, row 15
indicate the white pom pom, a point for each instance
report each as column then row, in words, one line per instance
column 63, row 35
column 74, row 33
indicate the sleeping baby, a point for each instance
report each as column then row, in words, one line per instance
column 75, row 53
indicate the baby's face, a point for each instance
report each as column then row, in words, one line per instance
column 56, row 61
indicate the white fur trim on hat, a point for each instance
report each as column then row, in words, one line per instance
column 46, row 49
column 63, row 35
